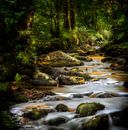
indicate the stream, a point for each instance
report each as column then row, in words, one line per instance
column 105, row 81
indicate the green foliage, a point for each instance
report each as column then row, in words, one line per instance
column 7, row 122
column 3, row 87
column 18, row 78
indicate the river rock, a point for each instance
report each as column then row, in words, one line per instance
column 62, row 108
column 57, row 121
column 87, row 109
column 100, row 122
column 55, row 98
column 107, row 59
column 84, row 58
column 55, row 128
column 58, row 59
column 71, row 80
column 43, row 79
column 125, row 84
column 103, row 95
column 120, row 118
column 36, row 114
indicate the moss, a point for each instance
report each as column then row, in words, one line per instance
column 87, row 109
column 62, row 108
column 6, row 121
column 33, row 115
column 71, row 80
column 96, row 123
column 58, row 59
column 57, row 121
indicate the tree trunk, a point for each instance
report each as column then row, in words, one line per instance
column 66, row 14
column 72, row 14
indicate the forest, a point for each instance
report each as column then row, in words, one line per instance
column 64, row 64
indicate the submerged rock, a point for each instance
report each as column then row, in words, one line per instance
column 59, row 58
column 62, row 108
column 88, row 109
column 71, row 80
column 100, row 122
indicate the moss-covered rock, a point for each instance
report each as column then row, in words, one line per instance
column 84, row 58
column 6, row 121
column 57, row 121
column 33, row 115
column 87, row 109
column 62, row 108
column 58, row 58
column 71, row 80
column 43, row 79
column 100, row 122
column 36, row 113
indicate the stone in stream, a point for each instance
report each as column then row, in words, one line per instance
column 81, row 95
column 100, row 122
column 107, row 59
column 55, row 98
column 84, row 58
column 57, row 121
column 36, row 114
column 125, row 84
column 62, row 108
column 55, row 128
column 120, row 118
column 71, row 80
column 88, row 109
column 43, row 79
column 103, row 95
column 58, row 59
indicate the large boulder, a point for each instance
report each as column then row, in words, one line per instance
column 71, row 80
column 88, row 109
column 58, row 59
column 43, row 79
column 100, row 122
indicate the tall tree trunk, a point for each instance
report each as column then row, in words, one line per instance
column 72, row 14
column 66, row 14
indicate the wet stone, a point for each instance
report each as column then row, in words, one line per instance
column 62, row 108
column 57, row 121
column 100, row 122
column 88, row 109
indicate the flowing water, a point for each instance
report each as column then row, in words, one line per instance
column 104, row 81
